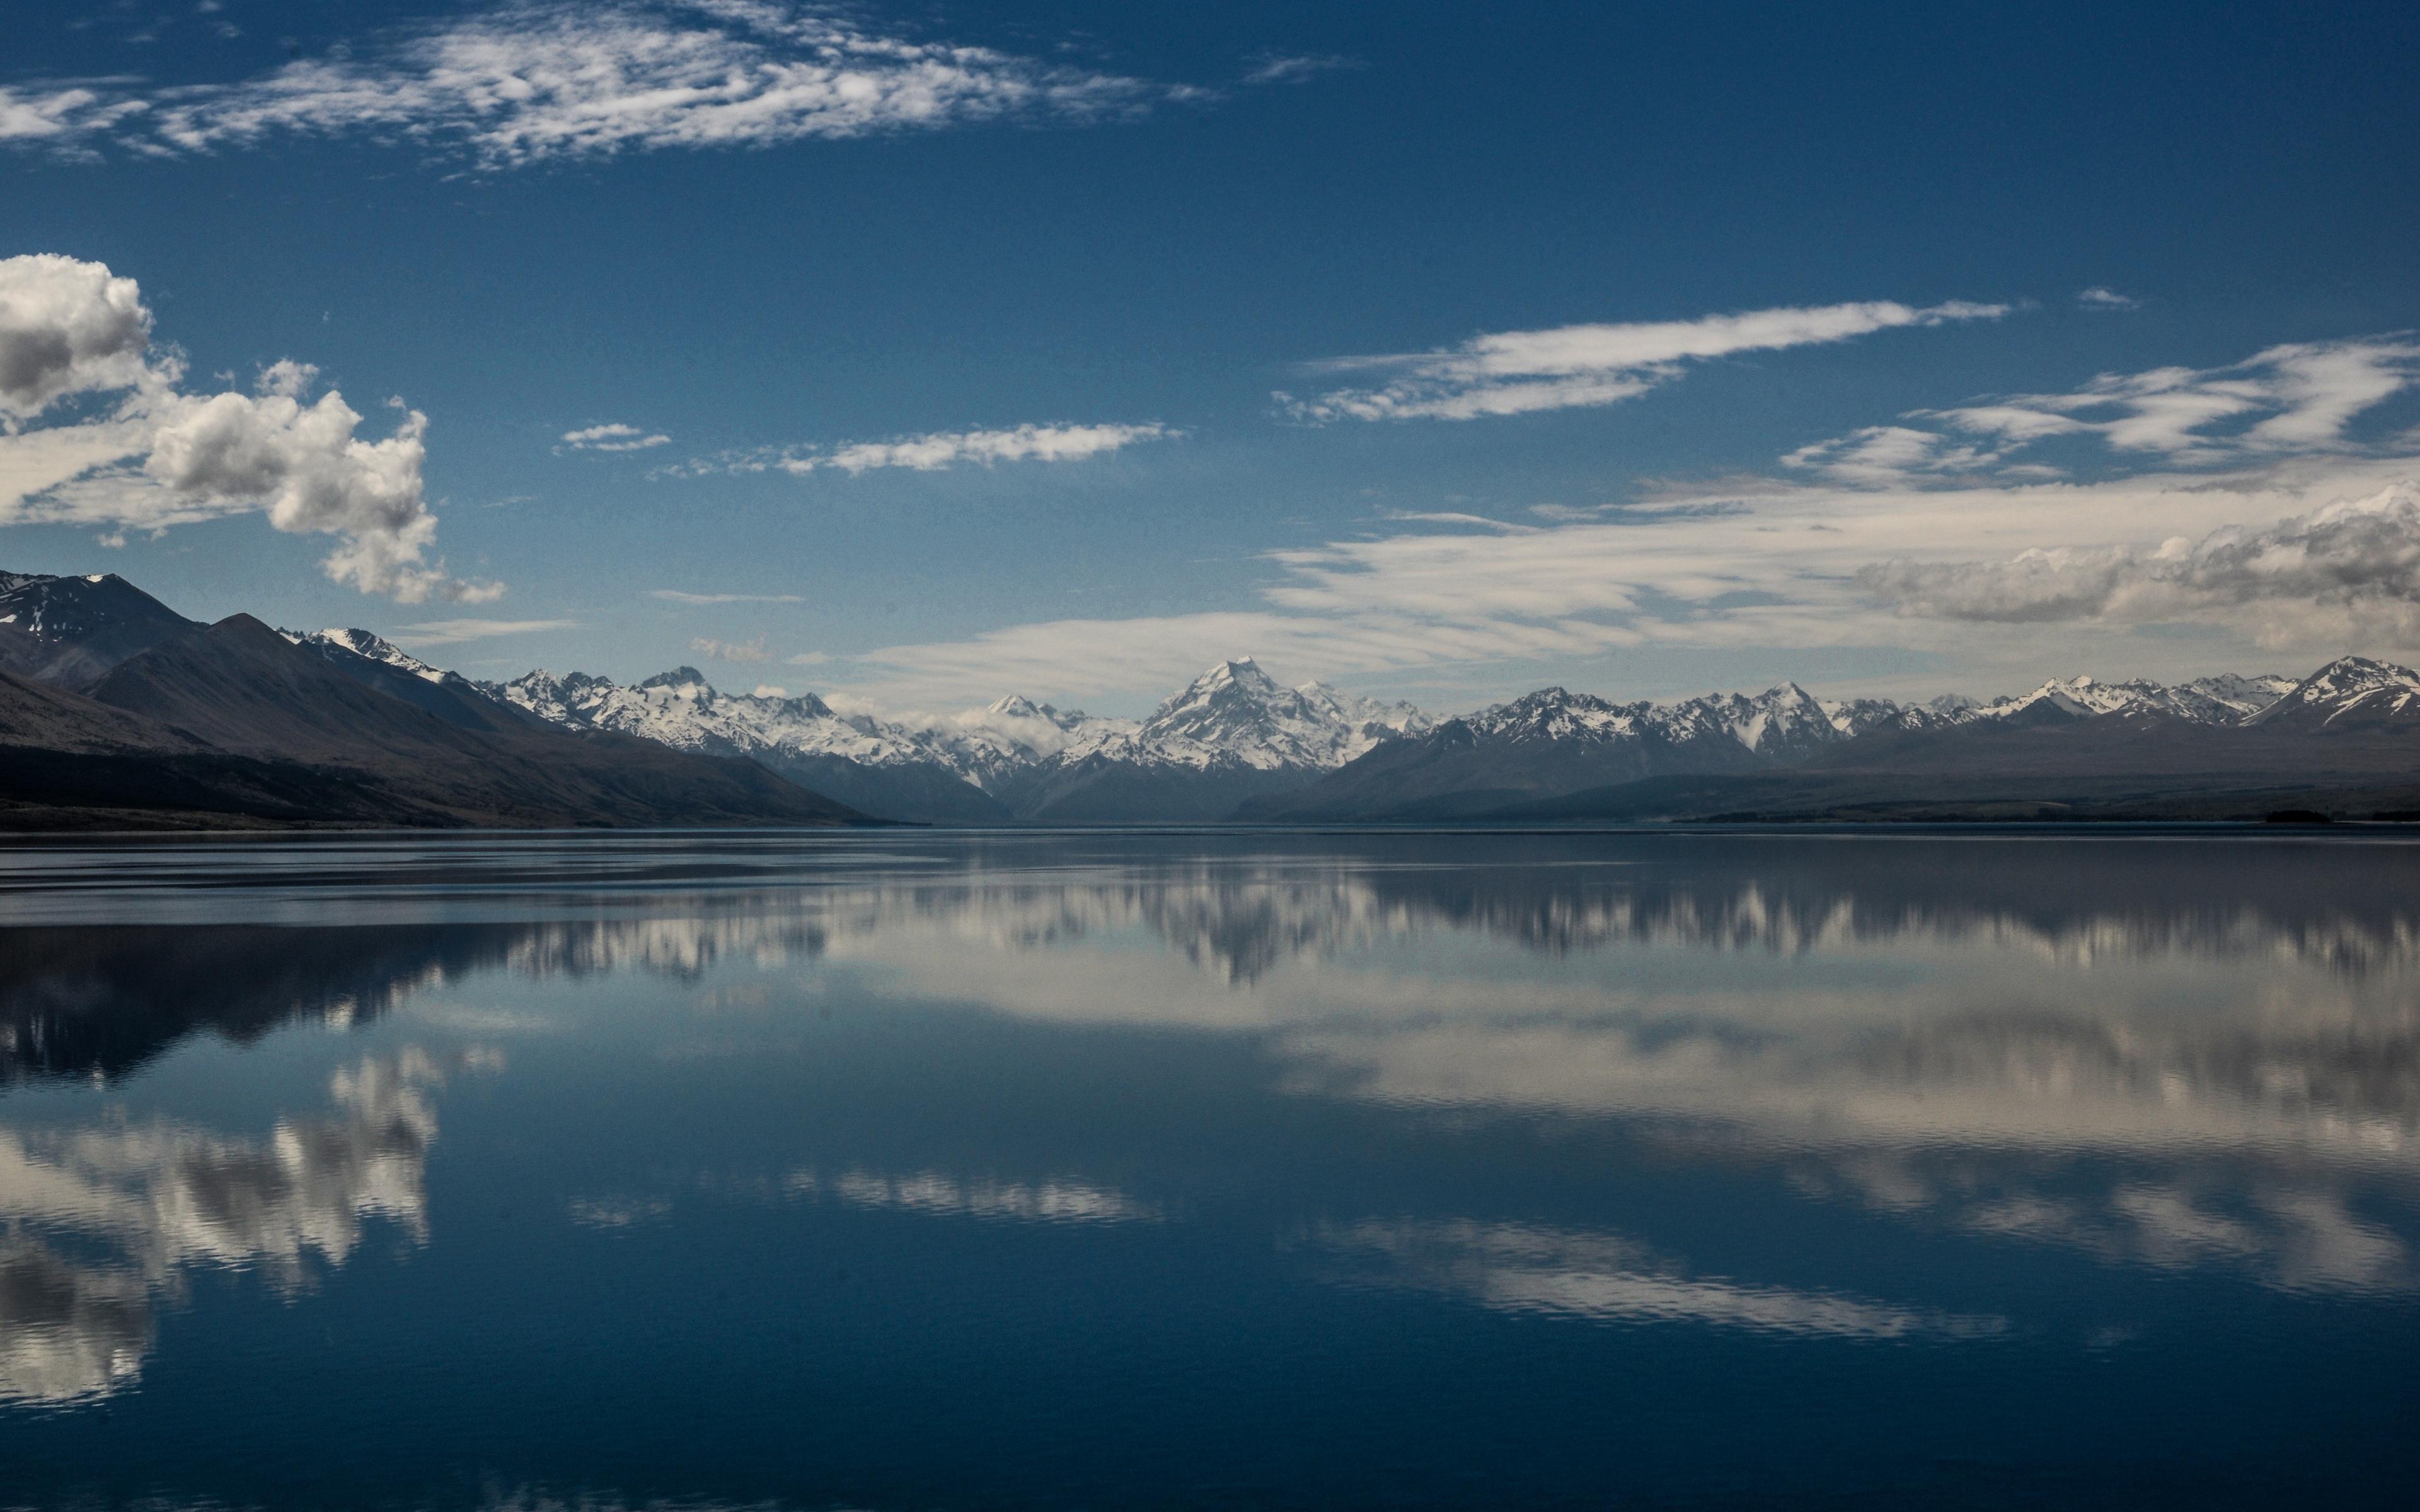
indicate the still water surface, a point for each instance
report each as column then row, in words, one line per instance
column 920, row 1171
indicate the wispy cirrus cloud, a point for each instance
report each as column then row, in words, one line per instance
column 2101, row 297
column 1522, row 372
column 612, row 437
column 1293, row 68
column 2311, row 541
column 2289, row 400
column 937, row 450
column 454, row 632
column 97, row 428
column 2355, row 561
column 674, row 596
column 739, row 651
column 532, row 82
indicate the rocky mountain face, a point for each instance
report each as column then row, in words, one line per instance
column 1553, row 743
column 70, row 631
column 1231, row 733
column 234, row 723
column 2349, row 693
column 1230, row 746
column 1235, row 744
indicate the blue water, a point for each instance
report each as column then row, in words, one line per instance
column 1226, row 1171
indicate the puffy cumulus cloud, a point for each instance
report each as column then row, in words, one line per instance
column 1519, row 371
column 304, row 464
column 67, row 328
column 614, row 437
column 163, row 457
column 286, row 379
column 532, row 82
column 2356, row 560
column 2286, row 401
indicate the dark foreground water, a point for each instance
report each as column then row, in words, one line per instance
column 1234, row 1171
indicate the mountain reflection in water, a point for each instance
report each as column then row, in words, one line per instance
column 1483, row 1073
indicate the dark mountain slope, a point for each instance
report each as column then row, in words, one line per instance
column 35, row 715
column 1549, row 742
column 921, row 793
column 452, row 698
column 244, row 689
column 1107, row 790
column 70, row 631
column 68, row 762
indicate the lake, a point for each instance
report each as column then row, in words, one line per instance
column 913, row 1171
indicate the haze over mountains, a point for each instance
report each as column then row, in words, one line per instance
column 113, row 709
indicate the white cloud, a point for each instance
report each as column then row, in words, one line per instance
column 163, row 457
column 674, row 596
column 614, row 437
column 454, row 632
column 1519, row 371
column 742, row 651
column 808, row 658
column 61, row 116
column 1280, row 67
column 67, row 328
column 769, row 690
column 286, row 379
column 2289, row 400
column 2357, row 560
column 1762, row 563
column 937, row 450
column 1882, row 454
column 536, row 81
column 2100, row 297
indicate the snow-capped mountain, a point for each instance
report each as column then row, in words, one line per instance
column 1236, row 714
column 2348, row 692
column 1236, row 742
column 1015, row 758
column 363, row 643
column 2205, row 701
column 70, row 631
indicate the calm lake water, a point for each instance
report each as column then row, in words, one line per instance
column 1237, row 1170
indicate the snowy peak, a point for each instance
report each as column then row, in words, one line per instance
column 2350, row 690
column 70, row 631
column 1236, row 714
column 1784, row 723
column 1559, row 713
column 374, row 648
column 685, row 682
column 2208, row 701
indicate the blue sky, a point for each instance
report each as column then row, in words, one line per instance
column 1438, row 350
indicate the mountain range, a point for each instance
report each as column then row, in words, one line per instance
column 115, row 709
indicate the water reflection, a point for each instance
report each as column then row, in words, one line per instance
column 2167, row 1058
column 101, row 1220
column 1522, row 1268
